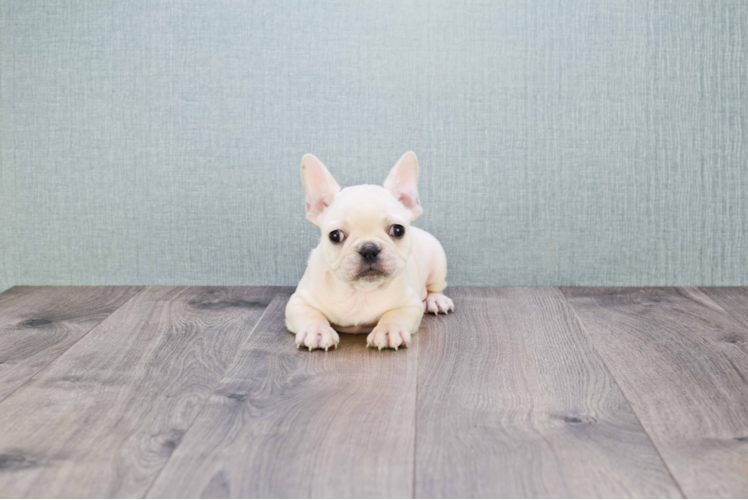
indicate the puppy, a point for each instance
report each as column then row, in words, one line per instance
column 372, row 271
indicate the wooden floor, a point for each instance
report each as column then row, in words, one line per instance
column 523, row 392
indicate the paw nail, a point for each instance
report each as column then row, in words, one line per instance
column 396, row 348
column 327, row 347
column 380, row 347
column 336, row 346
column 310, row 348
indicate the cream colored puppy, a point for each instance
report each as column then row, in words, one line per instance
column 372, row 271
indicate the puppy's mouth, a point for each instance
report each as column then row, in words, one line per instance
column 370, row 274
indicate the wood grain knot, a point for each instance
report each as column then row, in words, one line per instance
column 172, row 439
column 578, row 419
column 229, row 304
column 36, row 322
column 15, row 461
column 735, row 339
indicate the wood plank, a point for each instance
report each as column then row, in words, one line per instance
column 513, row 401
column 673, row 352
column 38, row 324
column 734, row 300
column 288, row 423
column 103, row 419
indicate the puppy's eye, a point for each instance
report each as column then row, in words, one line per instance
column 397, row 231
column 337, row 236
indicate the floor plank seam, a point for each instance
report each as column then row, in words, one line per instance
column 94, row 327
column 205, row 403
column 623, row 392
column 415, row 424
column 727, row 311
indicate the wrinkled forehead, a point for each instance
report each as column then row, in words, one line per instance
column 366, row 206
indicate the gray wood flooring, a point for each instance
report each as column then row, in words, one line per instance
column 523, row 392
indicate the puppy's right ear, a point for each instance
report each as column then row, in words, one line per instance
column 319, row 187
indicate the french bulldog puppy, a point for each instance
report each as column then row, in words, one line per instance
column 372, row 271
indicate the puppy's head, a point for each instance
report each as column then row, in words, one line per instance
column 365, row 229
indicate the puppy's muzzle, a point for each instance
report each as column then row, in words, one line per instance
column 369, row 253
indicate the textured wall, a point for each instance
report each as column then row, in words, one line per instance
column 567, row 143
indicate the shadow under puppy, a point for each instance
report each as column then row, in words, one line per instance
column 372, row 271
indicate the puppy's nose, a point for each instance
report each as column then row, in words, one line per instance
column 369, row 253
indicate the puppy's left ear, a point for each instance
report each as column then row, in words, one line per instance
column 403, row 183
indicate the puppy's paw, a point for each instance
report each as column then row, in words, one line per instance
column 391, row 336
column 317, row 337
column 438, row 303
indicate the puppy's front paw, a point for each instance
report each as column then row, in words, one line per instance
column 317, row 337
column 438, row 303
column 391, row 336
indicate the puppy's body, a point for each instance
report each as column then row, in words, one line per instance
column 351, row 309
column 380, row 276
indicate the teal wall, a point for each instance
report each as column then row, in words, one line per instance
column 561, row 143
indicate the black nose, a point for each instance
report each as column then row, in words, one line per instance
column 369, row 253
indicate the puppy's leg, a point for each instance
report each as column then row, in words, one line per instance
column 395, row 327
column 310, row 326
column 436, row 302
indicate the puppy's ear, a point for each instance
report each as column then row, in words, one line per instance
column 403, row 183
column 319, row 187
